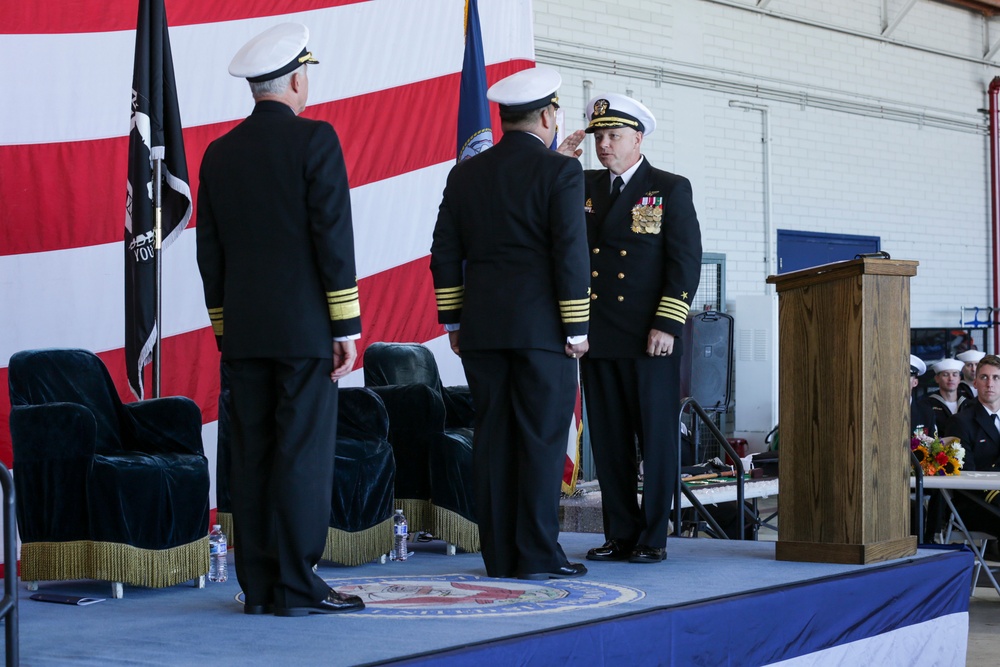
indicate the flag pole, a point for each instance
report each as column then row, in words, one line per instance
column 159, row 203
column 158, row 242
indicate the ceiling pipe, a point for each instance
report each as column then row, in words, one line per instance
column 994, row 92
column 765, row 129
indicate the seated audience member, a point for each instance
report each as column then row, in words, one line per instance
column 946, row 401
column 922, row 418
column 977, row 429
column 921, row 413
column 970, row 358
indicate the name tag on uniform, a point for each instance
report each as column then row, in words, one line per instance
column 647, row 215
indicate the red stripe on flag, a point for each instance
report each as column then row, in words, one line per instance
column 396, row 305
column 103, row 16
column 39, row 179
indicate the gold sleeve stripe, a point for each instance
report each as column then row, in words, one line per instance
column 991, row 496
column 576, row 310
column 673, row 309
column 342, row 294
column 215, row 316
column 344, row 304
column 450, row 298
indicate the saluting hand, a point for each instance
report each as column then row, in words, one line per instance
column 571, row 144
column 344, row 355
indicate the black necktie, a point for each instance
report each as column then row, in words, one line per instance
column 616, row 188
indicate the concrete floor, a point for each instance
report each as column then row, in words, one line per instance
column 582, row 513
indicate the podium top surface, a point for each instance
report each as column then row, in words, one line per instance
column 840, row 270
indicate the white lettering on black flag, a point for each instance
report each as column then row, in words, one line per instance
column 155, row 132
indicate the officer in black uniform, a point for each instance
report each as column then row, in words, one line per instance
column 276, row 255
column 978, row 429
column 646, row 263
column 510, row 266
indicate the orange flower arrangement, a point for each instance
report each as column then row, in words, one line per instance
column 937, row 456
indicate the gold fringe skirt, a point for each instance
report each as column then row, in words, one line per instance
column 456, row 529
column 110, row 561
column 360, row 547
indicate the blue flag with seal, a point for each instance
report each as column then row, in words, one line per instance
column 475, row 133
column 155, row 134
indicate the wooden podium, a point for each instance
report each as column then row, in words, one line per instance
column 843, row 395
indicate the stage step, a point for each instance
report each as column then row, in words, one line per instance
column 581, row 512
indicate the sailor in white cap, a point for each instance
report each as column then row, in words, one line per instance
column 276, row 255
column 971, row 358
column 921, row 413
column 510, row 266
column 945, row 401
column 645, row 258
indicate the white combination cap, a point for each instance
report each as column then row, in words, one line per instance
column 917, row 365
column 948, row 365
column 275, row 52
column 971, row 356
column 527, row 90
column 610, row 110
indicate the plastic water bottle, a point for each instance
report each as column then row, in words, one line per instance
column 217, row 554
column 400, row 534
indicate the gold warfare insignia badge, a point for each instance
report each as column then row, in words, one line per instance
column 647, row 215
column 601, row 107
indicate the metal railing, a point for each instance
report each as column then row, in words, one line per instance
column 8, row 606
column 700, row 413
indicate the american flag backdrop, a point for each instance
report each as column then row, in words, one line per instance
column 388, row 81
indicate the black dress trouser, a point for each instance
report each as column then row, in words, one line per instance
column 281, row 472
column 524, row 405
column 632, row 402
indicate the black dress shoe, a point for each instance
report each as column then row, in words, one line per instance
column 612, row 550
column 647, row 554
column 258, row 609
column 563, row 572
column 334, row 603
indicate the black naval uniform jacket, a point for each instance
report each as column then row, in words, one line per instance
column 921, row 416
column 509, row 255
column 645, row 259
column 942, row 413
column 979, row 436
column 275, row 237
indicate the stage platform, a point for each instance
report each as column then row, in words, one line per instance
column 713, row 602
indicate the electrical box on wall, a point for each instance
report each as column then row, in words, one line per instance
column 755, row 367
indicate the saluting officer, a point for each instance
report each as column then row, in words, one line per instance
column 509, row 259
column 276, row 254
column 645, row 245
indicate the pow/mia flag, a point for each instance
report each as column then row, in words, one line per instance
column 155, row 132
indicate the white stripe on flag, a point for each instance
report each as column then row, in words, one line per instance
column 362, row 48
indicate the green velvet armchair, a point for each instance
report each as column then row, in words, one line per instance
column 105, row 490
